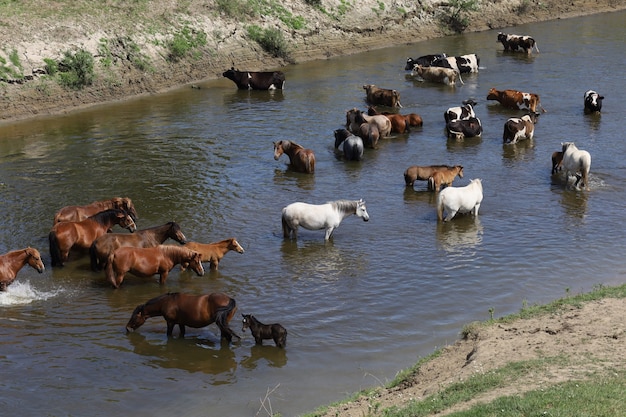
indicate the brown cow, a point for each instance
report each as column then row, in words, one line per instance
column 518, row 128
column 438, row 74
column 382, row 96
column 514, row 99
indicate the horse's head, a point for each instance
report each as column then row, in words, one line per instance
column 34, row 259
column 278, row 149
column 126, row 221
column 234, row 245
column 195, row 263
column 247, row 319
column 176, row 234
column 460, row 171
column 136, row 319
column 361, row 210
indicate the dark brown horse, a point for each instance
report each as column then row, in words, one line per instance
column 214, row 252
column 78, row 213
column 261, row 331
column 12, row 262
column 300, row 158
column 80, row 235
column 188, row 310
column 146, row 262
column 103, row 246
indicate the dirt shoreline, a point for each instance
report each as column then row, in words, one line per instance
column 325, row 37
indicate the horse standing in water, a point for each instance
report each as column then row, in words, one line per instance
column 577, row 162
column 320, row 216
column 12, row 262
column 213, row 252
column 188, row 310
column 146, row 262
column 67, row 235
column 78, row 213
column 352, row 145
column 103, row 246
column 262, row 331
column 300, row 159
column 460, row 200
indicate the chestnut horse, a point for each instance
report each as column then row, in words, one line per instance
column 78, row 213
column 444, row 176
column 424, row 173
column 67, row 235
column 213, row 252
column 12, row 262
column 102, row 247
column 300, row 158
column 146, row 262
column 188, row 310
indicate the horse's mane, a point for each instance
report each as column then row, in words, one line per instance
column 344, row 205
column 105, row 214
column 158, row 298
column 176, row 250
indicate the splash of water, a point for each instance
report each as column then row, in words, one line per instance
column 20, row 293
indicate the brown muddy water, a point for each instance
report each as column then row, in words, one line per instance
column 369, row 303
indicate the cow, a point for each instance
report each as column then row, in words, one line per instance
column 437, row 74
column 514, row 99
column 519, row 128
column 515, row 42
column 256, row 80
column 460, row 129
column 463, row 64
column 593, row 102
column 425, row 61
column 463, row 112
column 382, row 96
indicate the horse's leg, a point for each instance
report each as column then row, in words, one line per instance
column 450, row 215
column 329, row 233
column 214, row 263
column 163, row 277
column 181, row 327
column 170, row 328
column 476, row 207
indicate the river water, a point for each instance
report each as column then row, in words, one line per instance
column 369, row 303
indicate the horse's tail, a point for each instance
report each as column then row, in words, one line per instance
column 440, row 206
column 286, row 228
column 55, row 250
column 222, row 317
column 310, row 164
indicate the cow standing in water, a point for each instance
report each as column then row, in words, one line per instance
column 251, row 80
column 515, row 42
column 593, row 102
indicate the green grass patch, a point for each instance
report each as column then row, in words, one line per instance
column 271, row 40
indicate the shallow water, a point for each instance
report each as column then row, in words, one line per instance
column 359, row 308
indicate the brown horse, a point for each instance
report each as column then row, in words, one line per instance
column 146, row 262
column 399, row 123
column 188, row 310
column 12, row 262
column 262, row 331
column 78, row 213
column 423, row 173
column 67, row 235
column 103, row 246
column 355, row 117
column 370, row 135
column 300, row 158
column 444, row 176
column 214, row 252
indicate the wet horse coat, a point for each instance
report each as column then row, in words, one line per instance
column 78, row 213
column 188, row 310
column 352, row 145
column 425, row 173
column 300, row 158
column 12, row 262
column 460, row 200
column 214, row 252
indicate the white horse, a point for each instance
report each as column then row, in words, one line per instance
column 320, row 216
column 577, row 162
column 460, row 199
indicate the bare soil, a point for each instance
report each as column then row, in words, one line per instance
column 39, row 29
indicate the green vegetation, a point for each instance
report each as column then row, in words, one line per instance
column 456, row 16
column 251, row 9
column 12, row 71
column 185, row 41
column 76, row 70
column 271, row 40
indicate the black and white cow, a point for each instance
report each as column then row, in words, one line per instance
column 462, row 64
column 425, row 61
column 593, row 102
column 256, row 80
column 515, row 42
column 463, row 112
column 460, row 129
column 518, row 128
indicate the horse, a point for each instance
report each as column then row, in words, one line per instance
column 424, row 173
column 104, row 245
column 369, row 133
column 576, row 161
column 213, row 252
column 352, row 145
column 300, row 158
column 460, row 200
column 355, row 117
column 399, row 123
column 65, row 236
column 146, row 262
column 557, row 161
column 262, row 331
column 12, row 262
column 320, row 216
column 187, row 310
column 78, row 213
column 444, row 176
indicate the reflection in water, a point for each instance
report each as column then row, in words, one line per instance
column 275, row 357
column 593, row 121
column 462, row 233
column 286, row 178
column 522, row 150
column 575, row 202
